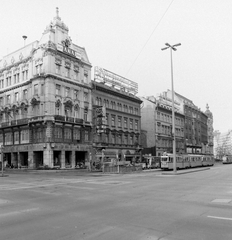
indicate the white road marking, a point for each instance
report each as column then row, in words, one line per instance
column 221, row 218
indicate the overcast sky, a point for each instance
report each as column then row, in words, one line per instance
column 126, row 37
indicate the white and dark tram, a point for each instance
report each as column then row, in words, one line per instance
column 186, row 161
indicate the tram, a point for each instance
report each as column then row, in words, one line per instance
column 186, row 161
column 226, row 159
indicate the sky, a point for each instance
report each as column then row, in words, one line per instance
column 126, row 37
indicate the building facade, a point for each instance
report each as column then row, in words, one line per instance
column 157, row 121
column 116, row 118
column 45, row 102
column 196, row 135
column 222, row 144
column 191, row 124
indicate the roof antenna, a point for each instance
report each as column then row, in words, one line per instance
column 24, row 37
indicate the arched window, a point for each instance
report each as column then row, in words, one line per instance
column 76, row 111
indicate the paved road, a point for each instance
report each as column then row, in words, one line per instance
column 141, row 206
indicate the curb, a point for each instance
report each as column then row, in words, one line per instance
column 185, row 171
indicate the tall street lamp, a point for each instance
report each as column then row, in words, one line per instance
column 172, row 47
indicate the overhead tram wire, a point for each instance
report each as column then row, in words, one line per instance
column 150, row 37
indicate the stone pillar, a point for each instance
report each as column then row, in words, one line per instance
column 19, row 160
column 13, row 160
column 73, row 159
column 62, row 159
column 48, row 156
column 31, row 160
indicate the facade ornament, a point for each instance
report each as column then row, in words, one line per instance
column 58, row 103
column 68, row 104
column 35, row 101
column 21, row 56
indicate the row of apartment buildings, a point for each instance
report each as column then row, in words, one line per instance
column 49, row 109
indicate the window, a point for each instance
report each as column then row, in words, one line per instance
column 36, row 89
column 125, row 122
column 85, row 77
column 125, row 139
column 57, row 110
column 42, row 89
column 86, row 136
column 38, row 69
column 67, row 72
column 131, row 123
column 25, row 94
column 16, row 96
column 113, row 121
column 58, row 132
column 107, row 119
column 15, row 78
column 131, row 110
column 75, row 93
column 57, row 69
column 8, row 81
column 76, row 111
column 67, row 133
column 75, row 75
column 67, row 91
column 86, row 97
column 120, row 139
column 1, row 101
column 1, row 83
column 8, row 99
column 24, row 136
column 36, row 110
column 67, row 112
column 131, row 140
column 119, row 122
column 76, row 134
column 136, row 124
column 113, row 138
column 26, row 74
column 86, row 115
column 58, row 89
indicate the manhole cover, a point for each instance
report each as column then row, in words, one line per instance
column 221, row 201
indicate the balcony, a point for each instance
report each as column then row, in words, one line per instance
column 68, row 119
column 36, row 119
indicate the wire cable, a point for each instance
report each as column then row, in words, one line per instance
column 150, row 36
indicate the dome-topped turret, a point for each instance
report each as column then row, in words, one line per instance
column 57, row 23
column 208, row 112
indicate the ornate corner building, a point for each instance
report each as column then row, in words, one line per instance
column 45, row 102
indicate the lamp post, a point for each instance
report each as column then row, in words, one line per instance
column 172, row 47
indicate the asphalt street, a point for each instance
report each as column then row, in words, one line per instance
column 146, row 205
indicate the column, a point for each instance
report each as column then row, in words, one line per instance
column 73, row 159
column 31, row 160
column 48, row 156
column 19, row 160
column 62, row 159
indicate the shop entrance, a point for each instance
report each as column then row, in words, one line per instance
column 23, row 156
column 68, row 158
column 57, row 159
column 80, row 159
column 38, row 159
column 7, row 159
